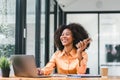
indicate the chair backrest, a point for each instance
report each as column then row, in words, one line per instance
column 87, row 71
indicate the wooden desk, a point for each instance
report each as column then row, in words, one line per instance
column 59, row 78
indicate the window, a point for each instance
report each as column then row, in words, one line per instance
column 110, row 42
column 42, row 39
column 90, row 23
column 105, row 46
column 7, row 27
column 30, row 43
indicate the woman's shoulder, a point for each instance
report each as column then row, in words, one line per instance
column 58, row 53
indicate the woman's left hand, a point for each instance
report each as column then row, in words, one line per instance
column 82, row 46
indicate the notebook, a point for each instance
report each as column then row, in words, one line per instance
column 83, row 76
column 24, row 66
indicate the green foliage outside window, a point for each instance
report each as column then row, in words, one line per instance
column 7, row 29
column 7, row 50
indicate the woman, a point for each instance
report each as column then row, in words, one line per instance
column 70, row 58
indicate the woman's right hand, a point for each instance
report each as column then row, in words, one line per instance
column 40, row 72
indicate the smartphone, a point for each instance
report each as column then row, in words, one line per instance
column 88, row 41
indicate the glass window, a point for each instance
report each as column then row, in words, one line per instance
column 42, row 39
column 109, row 39
column 7, row 27
column 30, row 47
column 90, row 23
column 51, row 41
column 52, row 15
column 110, row 42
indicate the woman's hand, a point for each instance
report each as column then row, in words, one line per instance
column 82, row 46
column 40, row 72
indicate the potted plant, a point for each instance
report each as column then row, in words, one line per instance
column 5, row 66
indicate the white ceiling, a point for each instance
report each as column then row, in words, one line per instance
column 89, row 5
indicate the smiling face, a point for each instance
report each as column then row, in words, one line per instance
column 66, row 37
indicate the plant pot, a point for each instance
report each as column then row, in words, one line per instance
column 5, row 72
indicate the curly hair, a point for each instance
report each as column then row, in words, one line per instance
column 78, row 33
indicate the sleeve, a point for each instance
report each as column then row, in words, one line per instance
column 50, row 65
column 81, row 69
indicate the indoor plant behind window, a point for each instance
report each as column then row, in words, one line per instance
column 5, row 66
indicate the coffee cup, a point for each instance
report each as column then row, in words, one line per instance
column 104, row 71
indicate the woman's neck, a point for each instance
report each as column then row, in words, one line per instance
column 68, row 49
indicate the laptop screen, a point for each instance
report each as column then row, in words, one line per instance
column 24, row 65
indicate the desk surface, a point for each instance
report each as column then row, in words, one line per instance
column 60, row 78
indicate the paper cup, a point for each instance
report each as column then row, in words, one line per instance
column 104, row 72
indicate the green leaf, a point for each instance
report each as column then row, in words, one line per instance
column 4, row 63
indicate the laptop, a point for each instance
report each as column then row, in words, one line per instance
column 24, row 66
